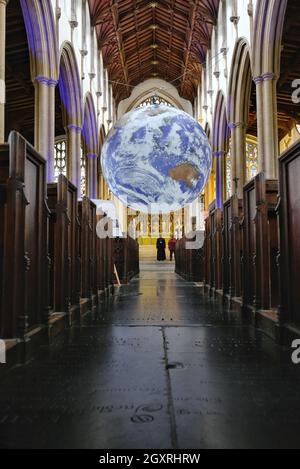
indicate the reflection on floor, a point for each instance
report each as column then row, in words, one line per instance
column 163, row 367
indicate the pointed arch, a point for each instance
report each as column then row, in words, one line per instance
column 220, row 145
column 207, row 130
column 268, row 29
column 238, row 105
column 240, row 82
column 70, row 87
column 72, row 110
column 220, row 124
column 102, row 136
column 41, row 34
column 102, row 185
column 91, row 145
column 89, row 131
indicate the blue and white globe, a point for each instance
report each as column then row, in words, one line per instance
column 156, row 159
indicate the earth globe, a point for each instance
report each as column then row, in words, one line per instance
column 156, row 159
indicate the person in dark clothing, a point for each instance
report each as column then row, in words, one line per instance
column 172, row 246
column 161, row 249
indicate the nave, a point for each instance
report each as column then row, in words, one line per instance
column 159, row 366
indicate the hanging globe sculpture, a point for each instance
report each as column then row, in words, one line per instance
column 156, row 159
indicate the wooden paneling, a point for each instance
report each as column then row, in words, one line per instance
column 87, row 217
column 126, row 257
column 63, row 245
column 207, row 253
column 189, row 259
column 24, row 221
column 289, row 222
column 232, row 247
column 260, row 243
column 215, row 224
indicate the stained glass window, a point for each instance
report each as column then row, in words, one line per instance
column 228, row 168
column 251, row 159
column 154, row 100
column 60, row 158
column 82, row 173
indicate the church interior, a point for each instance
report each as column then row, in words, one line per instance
column 102, row 345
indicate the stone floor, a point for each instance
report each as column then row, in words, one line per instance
column 164, row 367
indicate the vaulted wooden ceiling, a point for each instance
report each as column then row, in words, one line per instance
column 143, row 39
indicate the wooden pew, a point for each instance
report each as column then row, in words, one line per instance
column 133, row 266
column 232, row 250
column 289, row 260
column 126, row 258
column 88, row 220
column 195, row 263
column 214, row 251
column 23, row 240
column 97, row 257
column 260, row 246
column 64, row 249
column 207, row 254
column 189, row 263
column 100, row 270
column 181, row 258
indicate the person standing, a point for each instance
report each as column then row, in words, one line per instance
column 172, row 247
column 161, row 248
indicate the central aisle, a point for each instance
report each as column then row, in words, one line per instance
column 163, row 368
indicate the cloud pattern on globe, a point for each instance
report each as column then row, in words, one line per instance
column 156, row 159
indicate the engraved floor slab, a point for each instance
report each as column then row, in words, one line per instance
column 103, row 388
column 162, row 367
column 234, row 389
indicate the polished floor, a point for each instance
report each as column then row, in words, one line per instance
column 162, row 367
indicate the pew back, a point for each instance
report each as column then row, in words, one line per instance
column 289, row 222
column 24, row 222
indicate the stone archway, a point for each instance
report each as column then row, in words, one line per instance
column 91, row 145
column 238, row 107
column 102, row 189
column 39, row 24
column 268, row 30
column 72, row 109
column 41, row 34
column 219, row 144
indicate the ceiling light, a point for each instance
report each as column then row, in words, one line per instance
column 154, row 46
column 153, row 26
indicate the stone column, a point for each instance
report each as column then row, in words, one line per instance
column 51, row 135
column 3, row 4
column 73, row 132
column 91, row 175
column 270, row 125
column 219, row 155
column 45, row 121
column 267, row 125
column 211, row 187
column 41, row 115
column 238, row 139
column 260, row 122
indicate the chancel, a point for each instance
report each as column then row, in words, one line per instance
column 128, row 128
